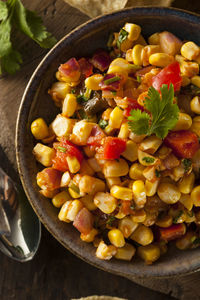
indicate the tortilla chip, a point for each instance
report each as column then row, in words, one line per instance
column 94, row 8
column 100, row 298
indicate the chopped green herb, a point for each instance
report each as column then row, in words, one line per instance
column 175, row 220
column 87, row 93
column 195, row 240
column 103, row 123
column 164, row 113
column 139, row 79
column 62, row 149
column 148, row 159
column 110, row 220
column 158, row 173
column 73, row 91
column 81, row 99
column 123, row 35
column 74, row 187
column 187, row 164
column 111, row 80
column 110, row 40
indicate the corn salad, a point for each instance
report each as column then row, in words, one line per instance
column 122, row 158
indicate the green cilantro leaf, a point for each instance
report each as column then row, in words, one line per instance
column 11, row 62
column 3, row 11
column 122, row 37
column 164, row 113
column 187, row 164
column 148, row 159
column 103, row 123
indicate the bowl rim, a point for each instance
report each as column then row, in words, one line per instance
column 26, row 103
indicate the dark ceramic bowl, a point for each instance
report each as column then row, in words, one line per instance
column 36, row 102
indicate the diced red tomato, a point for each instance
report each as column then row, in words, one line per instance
column 96, row 136
column 70, row 70
column 60, row 160
column 132, row 104
column 173, row 232
column 85, row 66
column 113, row 147
column 170, row 74
column 49, row 179
column 84, row 221
column 101, row 60
column 184, row 143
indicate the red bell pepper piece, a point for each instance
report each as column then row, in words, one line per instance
column 96, row 136
column 184, row 143
column 113, row 147
column 170, row 74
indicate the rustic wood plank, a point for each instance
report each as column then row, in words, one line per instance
column 55, row 273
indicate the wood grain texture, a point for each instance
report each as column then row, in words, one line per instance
column 55, row 273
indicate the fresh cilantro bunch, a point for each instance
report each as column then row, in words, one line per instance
column 162, row 116
column 13, row 13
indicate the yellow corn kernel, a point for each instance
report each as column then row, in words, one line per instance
column 124, row 131
column 149, row 253
column 125, row 253
column 94, row 164
column 65, row 179
column 108, row 130
column 73, row 209
column 184, row 122
column 189, row 68
column 93, row 82
column 195, row 105
column 185, row 185
column 59, row 90
column 88, row 202
column 190, row 50
column 73, row 164
column 161, row 59
column 73, row 193
column 39, row 129
column 127, row 226
column 91, row 185
column 116, row 117
column 186, row 200
column 146, row 159
column 185, row 242
column 62, row 126
column 131, row 152
column 133, row 30
column 44, row 154
column 105, row 252
column 114, row 168
column 196, row 81
column 168, row 193
column 150, row 173
column 142, row 235
column 106, row 114
column 105, row 202
column 60, row 198
column 140, row 41
column 85, row 168
column 116, row 238
column 129, row 55
column 113, row 181
column 196, row 125
column 154, row 39
column 89, row 237
column 137, row 54
column 136, row 171
column 179, row 58
column 150, row 144
column 47, row 193
column 195, row 196
column 185, row 80
column 119, row 65
column 89, row 151
column 120, row 192
column 126, row 44
column 139, row 216
column 139, row 193
column 63, row 214
column 136, row 138
column 163, row 152
column 178, row 172
column 147, row 51
column 69, row 105
column 164, row 221
column 151, row 187
column 81, row 132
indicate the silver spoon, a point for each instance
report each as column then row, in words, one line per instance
column 20, row 229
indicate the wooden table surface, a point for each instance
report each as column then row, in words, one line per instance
column 55, row 273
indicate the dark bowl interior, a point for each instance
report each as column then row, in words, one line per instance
column 36, row 102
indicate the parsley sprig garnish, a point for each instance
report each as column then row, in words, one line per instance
column 163, row 113
column 13, row 13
